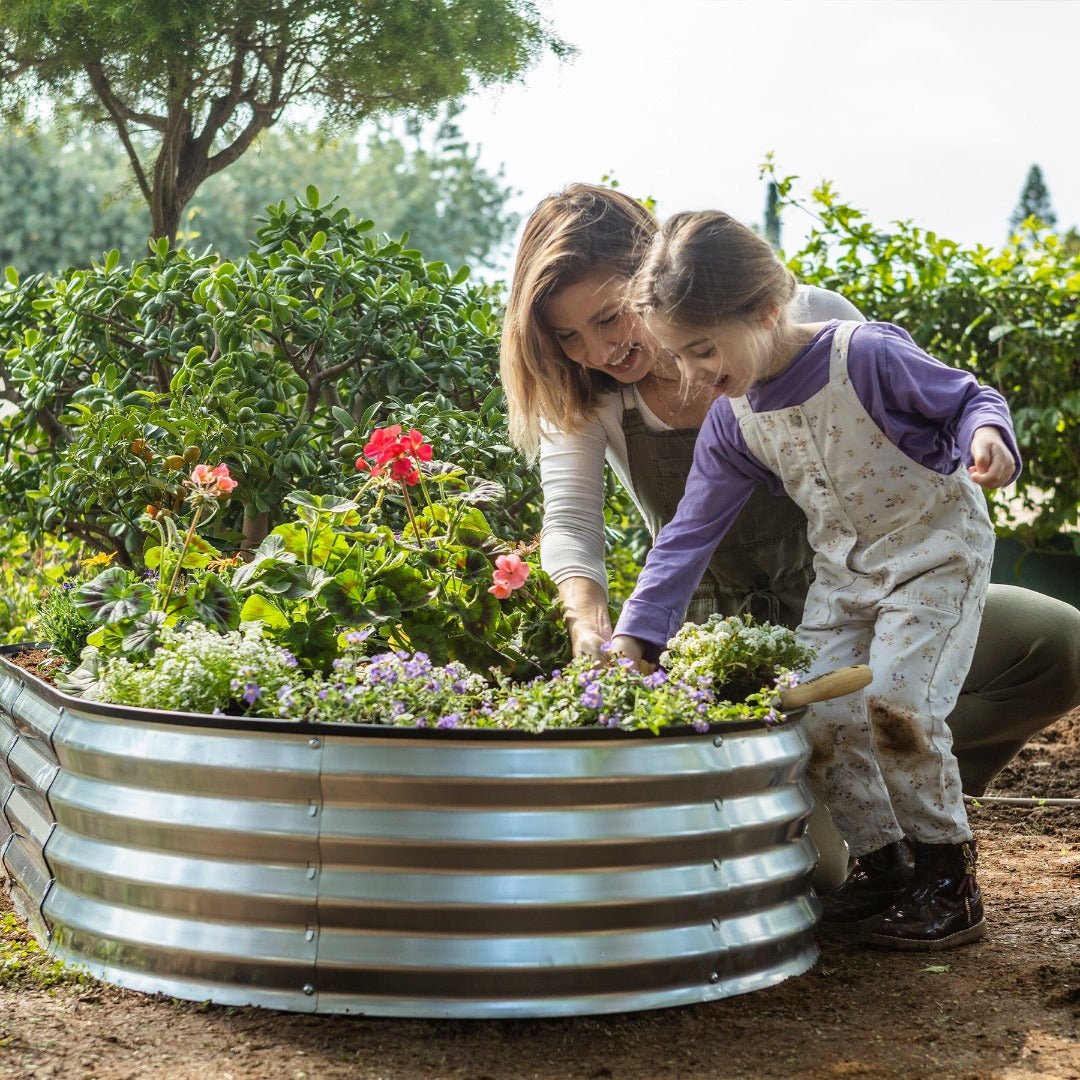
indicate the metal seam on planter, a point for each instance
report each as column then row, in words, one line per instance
column 332, row 868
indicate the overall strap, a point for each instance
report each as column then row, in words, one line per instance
column 838, row 371
column 740, row 406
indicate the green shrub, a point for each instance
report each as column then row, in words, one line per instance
column 1011, row 317
column 115, row 369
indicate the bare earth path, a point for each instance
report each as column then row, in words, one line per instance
column 1005, row 1008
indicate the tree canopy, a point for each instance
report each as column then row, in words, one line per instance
column 67, row 200
column 189, row 87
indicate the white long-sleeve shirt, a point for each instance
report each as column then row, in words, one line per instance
column 572, row 465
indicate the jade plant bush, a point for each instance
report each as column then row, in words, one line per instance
column 273, row 363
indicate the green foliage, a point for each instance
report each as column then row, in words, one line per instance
column 24, row 965
column 62, row 202
column 591, row 693
column 734, row 654
column 1011, row 317
column 189, row 87
column 115, row 369
column 27, row 574
column 67, row 200
column 397, row 688
column 197, row 669
column 426, row 585
column 433, row 188
column 61, row 622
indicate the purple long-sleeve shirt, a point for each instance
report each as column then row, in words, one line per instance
column 928, row 410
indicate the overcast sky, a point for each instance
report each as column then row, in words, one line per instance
column 925, row 109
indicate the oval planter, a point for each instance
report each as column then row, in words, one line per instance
column 396, row 872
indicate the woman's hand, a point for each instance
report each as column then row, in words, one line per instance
column 992, row 462
column 587, row 618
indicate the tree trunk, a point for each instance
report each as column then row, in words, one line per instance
column 255, row 528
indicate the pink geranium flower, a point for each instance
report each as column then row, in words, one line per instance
column 213, row 481
column 500, row 590
column 512, row 570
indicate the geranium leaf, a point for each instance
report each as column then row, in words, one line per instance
column 111, row 597
column 143, row 636
column 211, row 601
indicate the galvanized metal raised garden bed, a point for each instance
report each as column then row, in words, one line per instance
column 363, row 869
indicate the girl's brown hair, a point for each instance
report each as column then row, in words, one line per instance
column 577, row 232
column 704, row 267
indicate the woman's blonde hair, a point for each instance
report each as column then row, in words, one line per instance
column 577, row 232
column 704, row 267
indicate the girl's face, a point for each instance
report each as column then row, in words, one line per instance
column 730, row 355
column 593, row 329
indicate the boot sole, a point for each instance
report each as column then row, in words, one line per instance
column 900, row 944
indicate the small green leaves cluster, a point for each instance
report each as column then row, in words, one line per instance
column 62, row 623
column 735, row 654
column 25, row 965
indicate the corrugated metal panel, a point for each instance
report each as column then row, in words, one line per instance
column 343, row 869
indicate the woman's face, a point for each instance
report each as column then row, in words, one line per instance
column 593, row 329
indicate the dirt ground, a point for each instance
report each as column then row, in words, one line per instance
column 1005, row 1008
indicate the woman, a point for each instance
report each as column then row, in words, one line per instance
column 586, row 386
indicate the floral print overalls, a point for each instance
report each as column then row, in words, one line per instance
column 901, row 568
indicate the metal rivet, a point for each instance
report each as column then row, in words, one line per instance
column 311, row 872
column 313, row 809
column 314, row 743
column 309, row 934
column 715, row 924
column 718, row 741
column 309, row 989
column 718, row 803
column 716, row 864
column 714, row 977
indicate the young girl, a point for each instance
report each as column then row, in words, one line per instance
column 870, row 436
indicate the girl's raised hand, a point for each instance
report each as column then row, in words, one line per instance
column 992, row 462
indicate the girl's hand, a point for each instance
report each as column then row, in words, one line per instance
column 992, row 461
column 631, row 648
column 627, row 646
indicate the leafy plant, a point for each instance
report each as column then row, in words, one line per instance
column 243, row 673
column 440, row 582
column 131, row 612
column 114, row 368
column 198, row 669
column 1011, row 316
column 61, row 622
column 734, row 654
column 25, row 965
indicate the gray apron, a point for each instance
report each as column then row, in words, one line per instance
column 764, row 565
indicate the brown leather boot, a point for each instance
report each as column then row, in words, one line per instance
column 942, row 907
column 878, row 880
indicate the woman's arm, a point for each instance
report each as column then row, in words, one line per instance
column 588, row 621
column 572, row 537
